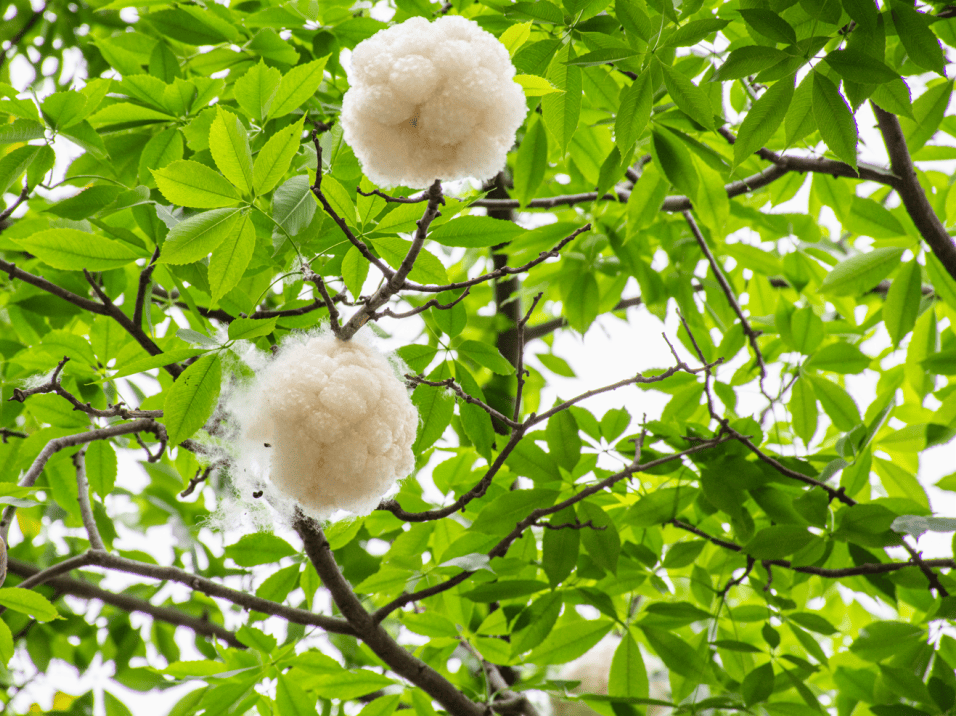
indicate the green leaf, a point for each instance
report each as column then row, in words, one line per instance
column 258, row 548
column 536, row 622
column 569, row 641
column 192, row 398
column 485, row 355
column 637, row 99
column 688, row 97
column 7, row 649
column 72, row 250
column 836, row 402
column 694, row 31
column 382, row 706
column 745, row 61
column 160, row 151
column 901, row 306
column 561, row 110
column 125, row 113
column 944, row 284
column 296, row 87
column 475, row 232
column 603, row 545
column 757, row 685
column 928, row 111
column 354, row 271
column 28, row 602
column 857, row 66
column 778, row 541
column 799, row 121
column 275, row 157
column 917, row 37
column 673, row 159
column 428, row 268
column 531, row 162
column 230, row 258
column 256, row 89
column 834, row 119
column 14, row 164
column 229, row 145
column 560, row 547
column 763, row 119
column 21, row 130
column 435, row 409
column 242, row 329
column 291, row 699
column 628, row 675
column 858, row 274
column 770, row 25
column 189, row 183
column 200, row 234
column 813, row 622
column 158, row 361
column 564, row 444
column 660, row 506
column 871, row 218
column 840, row 357
column 676, row 653
column 347, row 685
column 515, row 36
column 101, row 467
column 293, row 205
column 535, row 86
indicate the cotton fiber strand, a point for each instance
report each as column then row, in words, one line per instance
column 431, row 101
column 328, row 423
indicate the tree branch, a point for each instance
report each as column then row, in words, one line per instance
column 83, row 497
column 85, row 590
column 57, row 444
column 912, row 194
column 368, row 630
column 396, row 281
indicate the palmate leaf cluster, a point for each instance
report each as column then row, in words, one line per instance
column 755, row 536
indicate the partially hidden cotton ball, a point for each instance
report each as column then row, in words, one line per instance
column 338, row 423
column 431, row 101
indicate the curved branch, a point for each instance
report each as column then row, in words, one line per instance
column 368, row 630
column 912, row 194
column 85, row 590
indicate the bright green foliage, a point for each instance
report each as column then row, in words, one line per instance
column 742, row 523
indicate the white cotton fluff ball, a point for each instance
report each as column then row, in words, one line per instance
column 337, row 420
column 431, row 101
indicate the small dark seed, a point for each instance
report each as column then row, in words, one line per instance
column 257, row 494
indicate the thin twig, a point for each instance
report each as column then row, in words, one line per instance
column 83, row 497
column 520, row 371
column 145, row 279
column 24, row 193
column 431, row 303
column 751, row 334
column 85, row 590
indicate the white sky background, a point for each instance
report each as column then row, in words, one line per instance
column 611, row 350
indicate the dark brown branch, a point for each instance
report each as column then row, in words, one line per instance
column 396, row 281
column 911, row 192
column 243, row 599
column 24, row 193
column 431, row 303
column 312, row 277
column 473, row 494
column 371, row 632
column 50, row 287
column 83, row 498
column 543, row 329
column 339, row 221
column 135, row 331
column 857, row 571
column 504, row 271
column 57, row 444
column 751, row 334
column 85, row 590
column 394, row 199
column 520, row 371
column 6, row 433
column 450, row 384
column 53, row 385
column 145, row 278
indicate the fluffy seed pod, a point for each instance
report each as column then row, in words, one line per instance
column 329, row 423
column 431, row 101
